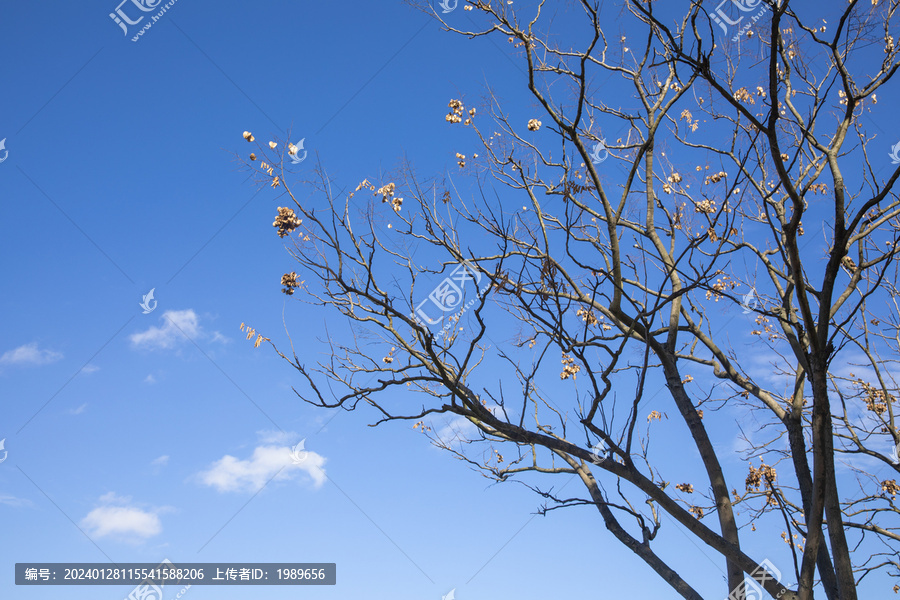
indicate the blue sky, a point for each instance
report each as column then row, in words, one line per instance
column 128, row 442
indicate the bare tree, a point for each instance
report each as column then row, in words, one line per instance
column 713, row 260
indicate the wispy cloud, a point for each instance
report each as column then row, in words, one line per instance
column 218, row 337
column 13, row 501
column 29, row 355
column 177, row 328
column 231, row 474
column 119, row 518
column 161, row 461
column 149, row 379
column 460, row 429
column 88, row 369
column 79, row 410
column 276, row 436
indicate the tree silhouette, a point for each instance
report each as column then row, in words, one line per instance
column 705, row 243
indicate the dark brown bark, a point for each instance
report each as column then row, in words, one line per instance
column 794, row 426
column 642, row 550
column 724, row 509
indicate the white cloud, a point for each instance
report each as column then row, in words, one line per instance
column 270, row 436
column 79, row 410
column 455, row 428
column 322, row 417
column 118, row 518
column 88, row 369
column 161, row 461
column 459, row 428
column 176, row 325
column 13, row 501
column 29, row 355
column 230, row 474
column 112, row 497
column 218, row 337
column 149, row 379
